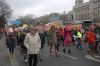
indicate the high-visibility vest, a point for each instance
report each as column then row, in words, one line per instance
column 79, row 34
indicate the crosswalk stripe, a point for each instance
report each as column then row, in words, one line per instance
column 68, row 55
column 97, row 57
column 92, row 58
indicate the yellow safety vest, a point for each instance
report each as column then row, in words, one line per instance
column 79, row 34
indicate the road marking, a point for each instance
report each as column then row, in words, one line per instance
column 92, row 58
column 14, row 62
column 97, row 56
column 68, row 55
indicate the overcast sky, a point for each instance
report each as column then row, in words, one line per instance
column 40, row 7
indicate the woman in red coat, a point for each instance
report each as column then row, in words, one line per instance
column 67, row 39
column 91, row 40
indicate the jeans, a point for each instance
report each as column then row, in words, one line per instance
column 79, row 44
column 24, row 51
column 96, row 46
column 33, row 59
column 91, row 48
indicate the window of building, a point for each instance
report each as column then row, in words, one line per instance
column 75, row 11
column 78, row 10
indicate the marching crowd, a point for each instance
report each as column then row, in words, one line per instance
column 32, row 41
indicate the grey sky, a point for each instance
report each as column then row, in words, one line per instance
column 40, row 7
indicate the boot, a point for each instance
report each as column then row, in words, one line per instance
column 69, row 51
column 64, row 50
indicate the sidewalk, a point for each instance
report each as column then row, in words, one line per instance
column 4, row 55
column 5, row 60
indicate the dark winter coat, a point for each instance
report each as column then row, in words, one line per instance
column 42, row 37
column 11, row 42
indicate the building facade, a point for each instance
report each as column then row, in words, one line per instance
column 81, row 10
column 53, row 17
column 87, row 11
column 95, row 10
column 70, row 17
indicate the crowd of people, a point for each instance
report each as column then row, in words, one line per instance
column 32, row 41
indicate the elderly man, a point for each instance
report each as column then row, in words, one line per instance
column 33, row 45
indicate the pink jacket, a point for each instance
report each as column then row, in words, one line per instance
column 68, row 38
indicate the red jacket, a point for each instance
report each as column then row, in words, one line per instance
column 61, row 32
column 91, row 37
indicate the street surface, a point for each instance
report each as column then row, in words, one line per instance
column 4, row 54
column 77, row 58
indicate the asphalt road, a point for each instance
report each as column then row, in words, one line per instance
column 4, row 54
column 77, row 58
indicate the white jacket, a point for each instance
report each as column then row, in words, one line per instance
column 32, row 43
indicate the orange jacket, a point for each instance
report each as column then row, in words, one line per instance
column 91, row 37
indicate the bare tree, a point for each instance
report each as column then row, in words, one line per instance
column 5, row 9
column 28, row 19
column 5, row 12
